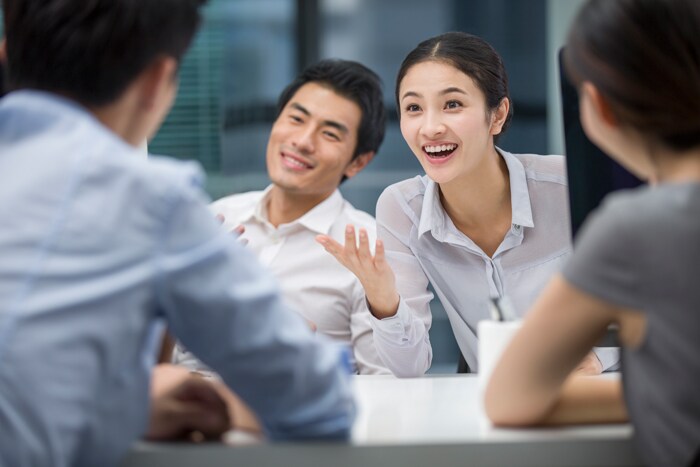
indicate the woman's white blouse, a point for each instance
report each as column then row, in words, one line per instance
column 424, row 247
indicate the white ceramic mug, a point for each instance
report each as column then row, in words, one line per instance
column 494, row 337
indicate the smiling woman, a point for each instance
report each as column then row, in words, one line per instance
column 481, row 223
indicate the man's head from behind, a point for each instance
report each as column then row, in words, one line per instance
column 92, row 50
column 330, row 123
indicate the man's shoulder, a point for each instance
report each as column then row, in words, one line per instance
column 351, row 215
column 237, row 208
column 238, row 200
column 164, row 174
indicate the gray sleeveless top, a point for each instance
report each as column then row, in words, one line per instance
column 641, row 249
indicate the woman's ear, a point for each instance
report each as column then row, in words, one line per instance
column 599, row 103
column 499, row 116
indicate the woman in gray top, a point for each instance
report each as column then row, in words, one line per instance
column 637, row 67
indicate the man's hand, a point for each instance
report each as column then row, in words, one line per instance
column 589, row 366
column 311, row 325
column 183, row 405
column 236, row 232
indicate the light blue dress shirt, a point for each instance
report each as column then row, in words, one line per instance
column 98, row 249
column 424, row 247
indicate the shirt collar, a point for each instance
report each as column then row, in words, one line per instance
column 257, row 211
column 44, row 108
column 319, row 219
column 434, row 218
column 519, row 194
column 48, row 102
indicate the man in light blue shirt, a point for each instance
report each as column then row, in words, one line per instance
column 100, row 248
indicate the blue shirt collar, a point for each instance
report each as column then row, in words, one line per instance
column 31, row 109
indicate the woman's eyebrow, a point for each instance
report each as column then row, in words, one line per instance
column 453, row 89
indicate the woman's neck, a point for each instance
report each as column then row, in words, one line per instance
column 481, row 196
column 479, row 204
column 677, row 166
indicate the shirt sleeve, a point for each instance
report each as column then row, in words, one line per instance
column 601, row 264
column 227, row 310
column 609, row 357
column 604, row 254
column 402, row 341
column 365, row 352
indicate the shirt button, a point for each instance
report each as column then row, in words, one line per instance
column 516, row 228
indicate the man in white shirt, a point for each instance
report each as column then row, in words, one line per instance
column 330, row 125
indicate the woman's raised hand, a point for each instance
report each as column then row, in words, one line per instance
column 373, row 271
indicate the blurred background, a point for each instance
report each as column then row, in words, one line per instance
column 247, row 51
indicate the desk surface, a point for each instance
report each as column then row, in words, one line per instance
column 430, row 421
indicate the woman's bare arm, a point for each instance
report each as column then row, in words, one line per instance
column 532, row 385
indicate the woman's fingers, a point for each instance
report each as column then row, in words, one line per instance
column 379, row 258
column 357, row 258
column 330, row 245
column 363, row 251
column 350, row 241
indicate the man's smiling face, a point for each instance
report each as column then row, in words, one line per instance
column 312, row 141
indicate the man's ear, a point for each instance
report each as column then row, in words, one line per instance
column 3, row 50
column 599, row 103
column 357, row 164
column 157, row 80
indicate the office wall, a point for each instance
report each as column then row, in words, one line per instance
column 560, row 13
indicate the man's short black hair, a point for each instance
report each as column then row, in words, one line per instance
column 353, row 81
column 91, row 50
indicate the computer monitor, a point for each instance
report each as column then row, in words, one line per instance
column 592, row 174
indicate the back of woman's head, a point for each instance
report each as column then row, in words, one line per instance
column 471, row 55
column 644, row 58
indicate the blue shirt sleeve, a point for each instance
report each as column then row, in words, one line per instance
column 227, row 310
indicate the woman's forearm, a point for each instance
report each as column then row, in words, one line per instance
column 585, row 399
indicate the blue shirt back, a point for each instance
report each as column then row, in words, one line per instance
column 99, row 248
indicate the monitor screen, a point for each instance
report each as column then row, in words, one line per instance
column 592, row 174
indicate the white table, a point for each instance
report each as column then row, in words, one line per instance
column 427, row 422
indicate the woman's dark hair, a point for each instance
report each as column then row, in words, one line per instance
column 471, row 55
column 644, row 58
column 91, row 50
column 355, row 82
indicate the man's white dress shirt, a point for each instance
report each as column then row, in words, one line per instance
column 317, row 286
column 424, row 247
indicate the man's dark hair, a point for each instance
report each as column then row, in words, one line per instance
column 355, row 82
column 91, row 50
